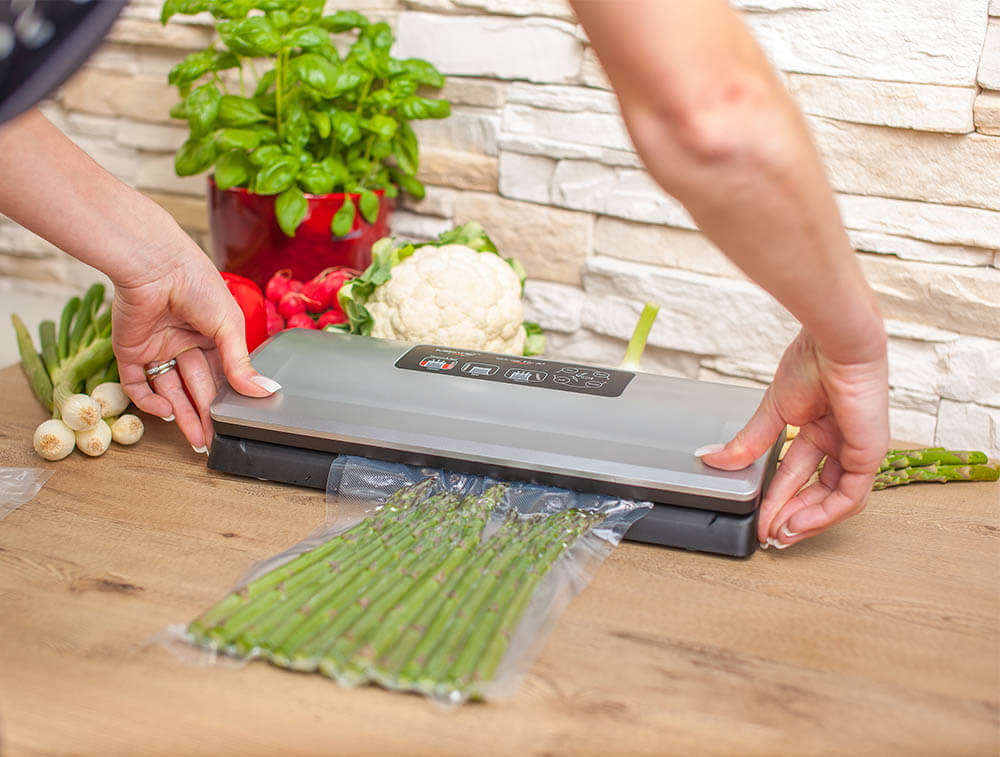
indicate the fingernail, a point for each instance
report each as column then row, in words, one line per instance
column 168, row 418
column 764, row 545
column 781, row 545
column 708, row 449
column 268, row 385
column 786, row 532
column 202, row 450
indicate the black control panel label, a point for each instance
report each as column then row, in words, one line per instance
column 510, row 369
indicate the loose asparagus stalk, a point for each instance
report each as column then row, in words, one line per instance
column 937, row 473
column 910, row 458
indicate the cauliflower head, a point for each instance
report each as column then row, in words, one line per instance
column 452, row 296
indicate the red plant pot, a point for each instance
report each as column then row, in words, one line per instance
column 247, row 240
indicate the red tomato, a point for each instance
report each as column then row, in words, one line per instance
column 251, row 301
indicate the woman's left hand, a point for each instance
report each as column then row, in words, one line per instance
column 182, row 310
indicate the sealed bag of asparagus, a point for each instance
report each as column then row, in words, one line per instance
column 422, row 580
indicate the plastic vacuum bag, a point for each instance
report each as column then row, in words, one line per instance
column 19, row 485
column 421, row 580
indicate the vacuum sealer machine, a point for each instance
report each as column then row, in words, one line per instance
column 599, row 430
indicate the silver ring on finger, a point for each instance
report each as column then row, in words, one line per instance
column 160, row 368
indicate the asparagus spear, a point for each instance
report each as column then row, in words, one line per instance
column 399, row 501
column 909, row 458
column 938, row 473
column 350, row 655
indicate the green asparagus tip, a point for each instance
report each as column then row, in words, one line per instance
column 637, row 343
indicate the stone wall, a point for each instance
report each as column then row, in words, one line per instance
column 903, row 99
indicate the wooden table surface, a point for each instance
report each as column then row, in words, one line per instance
column 879, row 637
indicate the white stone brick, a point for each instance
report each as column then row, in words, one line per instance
column 437, row 201
column 586, row 128
column 553, row 148
column 553, row 8
column 989, row 65
column 17, row 241
column 746, row 370
column 149, row 136
column 418, row 228
column 916, row 365
column 912, row 426
column 553, row 306
column 661, row 245
column 995, row 7
column 122, row 58
column 157, row 62
column 915, row 249
column 551, row 243
column 715, row 377
column 986, row 113
column 638, row 198
column 592, row 73
column 463, row 91
column 909, row 399
column 948, row 297
column 454, row 168
column 903, row 105
column 944, row 224
column 972, row 371
column 464, row 130
column 563, row 98
column 919, row 332
column 913, row 165
column 526, row 177
column 931, row 42
column 84, row 124
column 964, row 425
column 701, row 314
column 157, row 173
column 536, row 49
column 583, row 185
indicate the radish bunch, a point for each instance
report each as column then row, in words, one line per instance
column 294, row 304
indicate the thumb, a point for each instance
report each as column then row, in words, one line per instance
column 240, row 373
column 750, row 442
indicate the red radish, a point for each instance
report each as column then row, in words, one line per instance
column 325, row 286
column 275, row 322
column 331, row 318
column 293, row 303
column 278, row 284
column 301, row 321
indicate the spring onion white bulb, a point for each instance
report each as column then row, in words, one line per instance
column 94, row 441
column 80, row 412
column 111, row 397
column 127, row 429
column 54, row 439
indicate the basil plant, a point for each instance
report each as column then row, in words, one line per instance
column 321, row 119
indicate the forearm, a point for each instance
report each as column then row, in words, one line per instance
column 715, row 127
column 55, row 189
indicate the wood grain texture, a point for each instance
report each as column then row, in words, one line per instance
column 879, row 637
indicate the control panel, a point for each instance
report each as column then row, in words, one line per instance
column 512, row 369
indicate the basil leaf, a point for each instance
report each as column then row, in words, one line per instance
column 231, row 8
column 405, row 143
column 179, row 110
column 280, row 19
column 369, row 205
column 316, row 71
column 316, row 180
column 290, row 207
column 266, row 154
column 383, row 126
column 194, row 156
column 202, row 107
column 296, row 129
column 343, row 219
column 321, row 122
column 308, row 37
column 381, row 148
column 343, row 21
column 346, row 127
column 403, row 88
column 348, row 77
column 424, row 107
column 276, row 176
column 231, row 139
column 183, row 7
column 422, row 71
column 379, row 35
column 408, row 184
column 265, row 83
column 233, row 169
column 337, row 170
column 254, row 36
column 239, row 111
